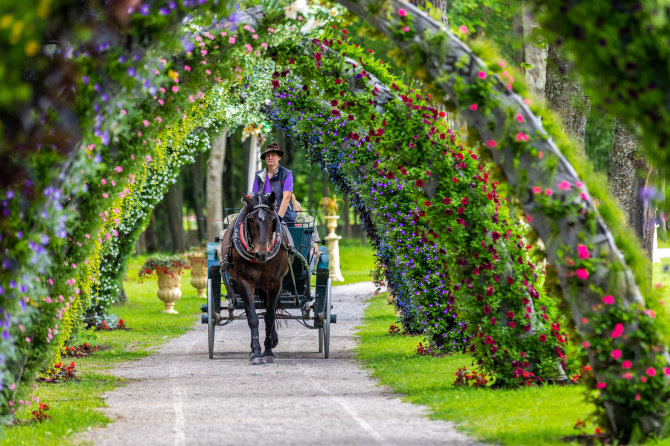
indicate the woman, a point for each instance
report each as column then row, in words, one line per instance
column 277, row 179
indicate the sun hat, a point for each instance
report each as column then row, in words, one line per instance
column 273, row 147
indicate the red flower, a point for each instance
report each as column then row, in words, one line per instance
column 465, row 201
column 543, row 337
column 447, row 200
column 510, row 314
column 333, row 102
column 487, row 309
column 338, row 81
column 419, row 183
column 350, row 117
column 317, row 56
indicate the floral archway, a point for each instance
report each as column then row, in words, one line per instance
column 430, row 205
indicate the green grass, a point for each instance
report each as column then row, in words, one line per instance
column 527, row 416
column 356, row 261
column 73, row 405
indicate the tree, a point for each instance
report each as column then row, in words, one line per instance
column 630, row 176
column 214, row 201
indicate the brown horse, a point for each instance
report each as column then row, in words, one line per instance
column 258, row 264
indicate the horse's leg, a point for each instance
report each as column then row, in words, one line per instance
column 271, row 338
column 252, row 318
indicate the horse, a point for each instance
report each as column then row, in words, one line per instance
column 258, row 263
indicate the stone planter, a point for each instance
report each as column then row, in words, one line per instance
column 169, row 288
column 199, row 274
column 333, row 249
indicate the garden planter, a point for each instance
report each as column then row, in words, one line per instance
column 333, row 249
column 169, row 288
column 199, row 274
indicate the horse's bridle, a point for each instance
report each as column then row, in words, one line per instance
column 241, row 230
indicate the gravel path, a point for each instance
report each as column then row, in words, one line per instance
column 178, row 396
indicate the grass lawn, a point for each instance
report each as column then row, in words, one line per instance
column 356, row 261
column 73, row 405
column 527, row 416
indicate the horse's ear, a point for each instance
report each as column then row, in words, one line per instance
column 246, row 199
column 272, row 198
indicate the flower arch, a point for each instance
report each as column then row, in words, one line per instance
column 387, row 147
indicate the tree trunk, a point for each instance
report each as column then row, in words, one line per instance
column 150, row 235
column 252, row 167
column 198, row 187
column 214, row 201
column 310, row 198
column 533, row 55
column 122, row 298
column 174, row 204
column 565, row 95
column 629, row 182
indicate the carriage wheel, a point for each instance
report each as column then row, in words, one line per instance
column 210, row 318
column 326, row 322
column 320, row 340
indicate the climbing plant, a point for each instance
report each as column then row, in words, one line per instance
column 130, row 103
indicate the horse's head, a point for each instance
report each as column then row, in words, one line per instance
column 260, row 224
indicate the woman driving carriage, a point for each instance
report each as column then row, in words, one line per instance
column 277, row 179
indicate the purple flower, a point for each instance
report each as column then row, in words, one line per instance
column 647, row 193
column 22, row 304
column 5, row 335
column 19, row 234
column 144, row 10
column 10, row 194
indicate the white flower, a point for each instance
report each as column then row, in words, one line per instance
column 298, row 6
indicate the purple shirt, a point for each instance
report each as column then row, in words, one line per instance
column 288, row 184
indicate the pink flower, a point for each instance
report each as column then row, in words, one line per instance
column 579, row 184
column 146, row 123
column 491, row 143
column 583, row 252
column 637, row 397
column 536, row 190
column 187, row 68
column 586, row 344
column 549, row 192
column 481, row 75
column 405, row 29
column 118, row 169
column 616, row 354
column 175, row 89
column 473, row 107
column 582, row 274
column 627, row 375
column 667, row 370
column 609, row 300
column 618, row 331
column 519, row 118
column 564, row 185
column 231, row 40
column 651, row 371
column 521, row 136
column 626, row 364
column 464, row 29
column 601, row 385
column 402, row 12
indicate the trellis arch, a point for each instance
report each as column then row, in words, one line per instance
column 582, row 263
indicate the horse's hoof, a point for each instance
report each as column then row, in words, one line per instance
column 257, row 360
column 269, row 359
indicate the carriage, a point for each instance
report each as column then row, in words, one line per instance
column 309, row 306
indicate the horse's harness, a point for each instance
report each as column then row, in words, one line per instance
column 244, row 245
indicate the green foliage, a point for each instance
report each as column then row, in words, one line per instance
column 525, row 416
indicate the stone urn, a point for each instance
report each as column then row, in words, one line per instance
column 169, row 287
column 199, row 273
column 333, row 249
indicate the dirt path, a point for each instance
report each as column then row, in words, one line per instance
column 179, row 396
